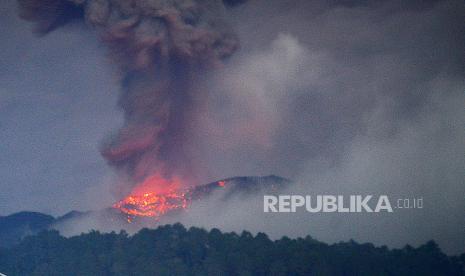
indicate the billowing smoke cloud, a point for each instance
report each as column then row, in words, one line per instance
column 345, row 97
column 161, row 48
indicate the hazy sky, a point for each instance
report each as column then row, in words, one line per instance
column 360, row 97
column 57, row 101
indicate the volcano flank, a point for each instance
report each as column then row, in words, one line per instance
column 146, row 210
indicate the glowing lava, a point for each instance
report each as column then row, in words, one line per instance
column 153, row 198
column 157, row 196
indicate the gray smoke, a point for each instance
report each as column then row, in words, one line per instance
column 345, row 97
column 161, row 48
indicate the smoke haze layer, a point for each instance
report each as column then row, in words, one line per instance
column 345, row 98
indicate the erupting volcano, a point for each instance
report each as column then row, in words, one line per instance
column 151, row 200
column 162, row 48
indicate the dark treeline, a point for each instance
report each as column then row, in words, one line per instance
column 174, row 250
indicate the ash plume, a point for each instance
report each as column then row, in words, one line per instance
column 161, row 47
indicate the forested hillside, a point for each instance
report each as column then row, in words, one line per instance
column 175, row 250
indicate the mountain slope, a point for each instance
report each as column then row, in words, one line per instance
column 18, row 225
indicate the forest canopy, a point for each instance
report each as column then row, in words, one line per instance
column 175, row 250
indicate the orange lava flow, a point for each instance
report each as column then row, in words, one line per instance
column 153, row 198
column 156, row 196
